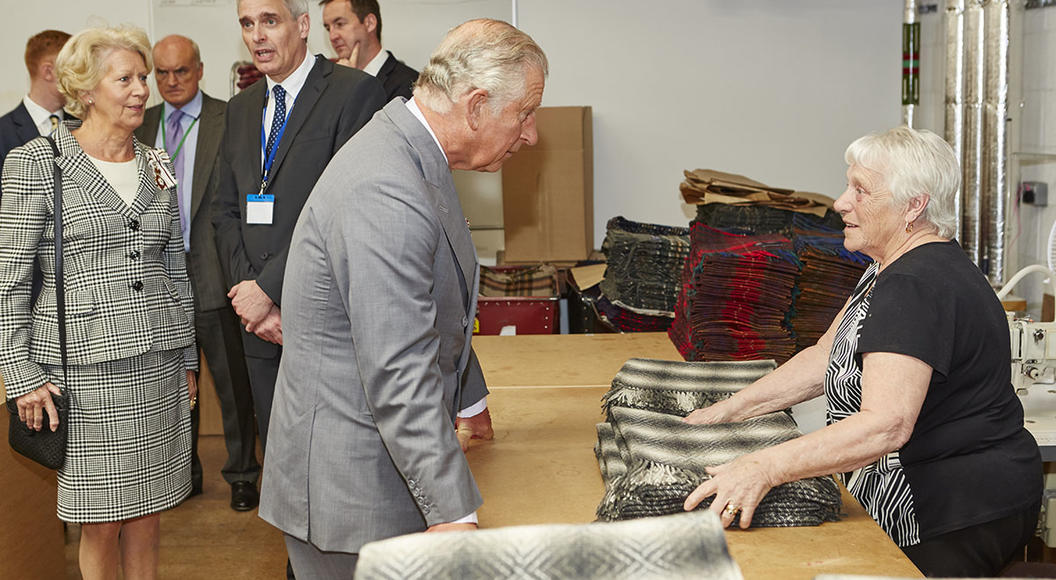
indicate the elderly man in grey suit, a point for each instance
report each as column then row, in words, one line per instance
column 190, row 126
column 381, row 289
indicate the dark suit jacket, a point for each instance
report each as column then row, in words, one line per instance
column 397, row 78
column 203, row 263
column 334, row 103
column 16, row 129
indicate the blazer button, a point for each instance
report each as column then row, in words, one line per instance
column 133, row 225
column 133, row 255
column 265, row 256
column 465, row 322
column 137, row 286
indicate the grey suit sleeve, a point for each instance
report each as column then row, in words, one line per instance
column 473, row 386
column 23, row 215
column 359, row 106
column 383, row 266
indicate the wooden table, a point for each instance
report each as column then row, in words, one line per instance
column 545, row 401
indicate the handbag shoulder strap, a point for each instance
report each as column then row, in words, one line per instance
column 60, row 284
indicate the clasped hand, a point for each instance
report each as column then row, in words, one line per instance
column 33, row 405
column 258, row 312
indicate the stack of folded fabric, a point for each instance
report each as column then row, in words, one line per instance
column 737, row 296
column 828, row 277
column 642, row 278
column 651, row 460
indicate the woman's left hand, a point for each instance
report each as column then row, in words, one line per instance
column 192, row 387
column 738, row 487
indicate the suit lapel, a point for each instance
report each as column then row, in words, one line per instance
column 313, row 88
column 78, row 168
column 210, row 131
column 24, row 126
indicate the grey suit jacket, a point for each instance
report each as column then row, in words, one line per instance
column 203, row 262
column 126, row 284
column 378, row 306
column 333, row 104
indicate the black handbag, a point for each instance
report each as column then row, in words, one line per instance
column 48, row 447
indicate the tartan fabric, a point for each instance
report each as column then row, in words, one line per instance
column 674, row 547
column 768, row 286
column 626, row 320
column 129, row 449
column 651, row 460
column 644, row 263
column 127, row 289
column 538, row 280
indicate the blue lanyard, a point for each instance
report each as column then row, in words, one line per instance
column 269, row 156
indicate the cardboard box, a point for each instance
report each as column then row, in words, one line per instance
column 548, row 190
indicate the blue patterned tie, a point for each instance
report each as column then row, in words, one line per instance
column 173, row 138
column 278, row 120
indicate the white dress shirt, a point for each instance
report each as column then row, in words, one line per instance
column 292, row 85
column 376, row 63
column 41, row 116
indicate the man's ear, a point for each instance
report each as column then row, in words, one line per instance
column 46, row 70
column 370, row 22
column 475, row 103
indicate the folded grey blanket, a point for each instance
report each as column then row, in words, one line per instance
column 650, row 461
column 686, row 546
column 677, row 388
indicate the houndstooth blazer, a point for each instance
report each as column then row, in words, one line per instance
column 127, row 290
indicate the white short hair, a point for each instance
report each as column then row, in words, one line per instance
column 479, row 54
column 913, row 162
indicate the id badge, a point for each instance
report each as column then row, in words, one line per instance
column 260, row 208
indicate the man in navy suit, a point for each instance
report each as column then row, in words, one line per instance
column 41, row 111
column 354, row 27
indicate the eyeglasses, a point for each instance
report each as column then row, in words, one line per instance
column 183, row 73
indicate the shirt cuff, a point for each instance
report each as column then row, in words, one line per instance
column 474, row 409
column 470, row 519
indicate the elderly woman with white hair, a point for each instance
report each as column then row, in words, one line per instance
column 924, row 427
column 129, row 314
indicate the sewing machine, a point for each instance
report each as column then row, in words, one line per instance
column 1034, row 379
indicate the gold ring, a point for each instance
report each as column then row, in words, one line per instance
column 731, row 510
column 194, row 401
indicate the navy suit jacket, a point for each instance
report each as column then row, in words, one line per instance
column 335, row 102
column 397, row 78
column 16, row 129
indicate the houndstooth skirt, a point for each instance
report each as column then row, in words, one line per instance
column 129, row 450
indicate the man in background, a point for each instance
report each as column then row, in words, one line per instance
column 381, row 296
column 354, row 27
column 190, row 125
column 279, row 135
column 40, row 112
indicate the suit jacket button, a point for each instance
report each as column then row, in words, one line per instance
column 265, row 256
column 133, row 255
column 133, row 225
column 465, row 322
column 137, row 285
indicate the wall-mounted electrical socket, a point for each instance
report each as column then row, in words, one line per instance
column 1035, row 193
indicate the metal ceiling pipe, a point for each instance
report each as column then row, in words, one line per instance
column 910, row 62
column 972, row 158
column 954, row 104
column 995, row 131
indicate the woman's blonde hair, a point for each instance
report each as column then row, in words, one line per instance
column 81, row 62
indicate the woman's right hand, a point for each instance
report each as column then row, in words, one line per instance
column 32, row 405
column 721, row 412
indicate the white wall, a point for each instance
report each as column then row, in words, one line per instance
column 769, row 88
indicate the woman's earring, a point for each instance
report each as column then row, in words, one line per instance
column 909, row 227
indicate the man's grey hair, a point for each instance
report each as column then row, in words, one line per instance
column 914, row 162
column 297, row 7
column 479, row 54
